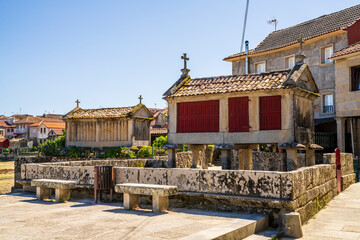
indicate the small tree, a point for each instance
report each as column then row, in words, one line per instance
column 160, row 141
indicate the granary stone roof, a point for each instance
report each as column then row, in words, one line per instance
column 241, row 83
column 354, row 48
column 79, row 113
column 310, row 29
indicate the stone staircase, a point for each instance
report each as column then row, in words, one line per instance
column 241, row 228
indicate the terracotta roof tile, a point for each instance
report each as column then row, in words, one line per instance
column 55, row 125
column 309, row 29
column 345, row 51
column 5, row 124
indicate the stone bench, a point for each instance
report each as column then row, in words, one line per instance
column 62, row 188
column 26, row 185
column 160, row 194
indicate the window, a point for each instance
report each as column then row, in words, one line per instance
column 8, row 130
column 12, row 130
column 200, row 116
column 328, row 103
column 326, row 53
column 355, row 78
column 239, row 114
column 270, row 113
column 260, row 67
column 289, row 62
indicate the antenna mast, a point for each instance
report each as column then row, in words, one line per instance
column 273, row 21
column 243, row 34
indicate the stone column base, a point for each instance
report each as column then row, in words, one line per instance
column 62, row 195
column 160, row 204
column 131, row 201
column 310, row 157
column 292, row 225
column 43, row 193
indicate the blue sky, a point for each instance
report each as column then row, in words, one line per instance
column 106, row 53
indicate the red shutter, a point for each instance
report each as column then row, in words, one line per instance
column 270, row 113
column 198, row 116
column 239, row 114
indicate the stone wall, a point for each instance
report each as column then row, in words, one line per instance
column 347, row 168
column 71, row 162
column 305, row 190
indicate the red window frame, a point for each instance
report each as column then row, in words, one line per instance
column 270, row 113
column 201, row 116
column 238, row 114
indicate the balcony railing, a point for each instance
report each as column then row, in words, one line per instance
column 20, row 130
column 328, row 109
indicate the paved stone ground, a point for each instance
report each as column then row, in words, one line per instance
column 339, row 220
column 23, row 217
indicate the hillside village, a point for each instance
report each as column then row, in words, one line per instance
column 277, row 139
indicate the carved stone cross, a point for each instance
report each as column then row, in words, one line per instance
column 301, row 41
column 140, row 98
column 185, row 59
column 77, row 102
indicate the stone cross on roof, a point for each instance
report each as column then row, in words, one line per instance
column 301, row 41
column 299, row 57
column 140, row 98
column 185, row 59
column 77, row 102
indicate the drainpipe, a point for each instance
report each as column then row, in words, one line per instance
column 352, row 136
column 246, row 59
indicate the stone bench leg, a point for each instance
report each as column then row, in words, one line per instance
column 131, row 201
column 42, row 193
column 28, row 188
column 160, row 204
column 62, row 195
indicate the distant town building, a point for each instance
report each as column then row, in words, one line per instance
column 159, row 124
column 108, row 127
column 39, row 131
column 6, row 129
column 321, row 37
column 347, row 85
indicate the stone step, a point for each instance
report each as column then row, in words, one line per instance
column 263, row 235
column 239, row 228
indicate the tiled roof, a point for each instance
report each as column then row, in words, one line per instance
column 58, row 132
column 55, row 125
column 79, row 113
column 158, row 131
column 5, row 124
column 28, row 119
column 47, row 120
column 240, row 83
column 345, row 51
column 3, row 140
column 309, row 29
column 233, row 83
column 100, row 112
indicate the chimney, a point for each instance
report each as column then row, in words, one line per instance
column 246, row 59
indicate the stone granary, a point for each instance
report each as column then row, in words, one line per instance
column 108, row 127
column 242, row 111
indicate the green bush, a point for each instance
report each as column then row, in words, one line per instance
column 50, row 149
column 160, row 141
column 75, row 152
column 145, row 151
column 33, row 149
column 126, row 152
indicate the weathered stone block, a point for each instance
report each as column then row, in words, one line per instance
column 86, row 175
column 299, row 183
column 292, row 225
column 23, row 171
column 185, row 179
column 31, row 171
column 286, row 190
column 126, row 175
column 315, row 175
column 248, row 183
column 153, row 176
column 137, row 163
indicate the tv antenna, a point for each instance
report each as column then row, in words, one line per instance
column 274, row 22
column 244, row 27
